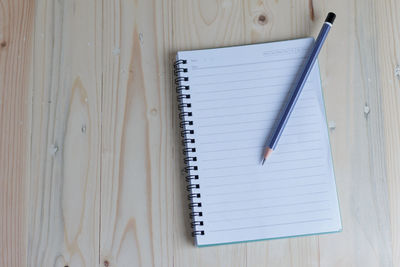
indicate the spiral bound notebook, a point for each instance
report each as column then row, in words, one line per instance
column 229, row 99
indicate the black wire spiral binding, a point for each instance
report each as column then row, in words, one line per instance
column 183, row 91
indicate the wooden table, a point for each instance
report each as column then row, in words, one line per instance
column 90, row 154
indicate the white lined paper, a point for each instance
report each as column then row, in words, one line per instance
column 236, row 95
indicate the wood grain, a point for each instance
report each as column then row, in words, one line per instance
column 16, row 20
column 64, row 203
column 133, row 183
column 388, row 64
column 90, row 151
column 357, row 139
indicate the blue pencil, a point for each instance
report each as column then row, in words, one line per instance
column 300, row 84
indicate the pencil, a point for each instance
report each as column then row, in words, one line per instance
column 284, row 116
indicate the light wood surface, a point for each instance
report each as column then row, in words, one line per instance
column 90, row 151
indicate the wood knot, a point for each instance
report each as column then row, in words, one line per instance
column 3, row 44
column 311, row 7
column 153, row 112
column 366, row 110
column 397, row 71
column 262, row 19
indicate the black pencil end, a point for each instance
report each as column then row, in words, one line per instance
column 330, row 18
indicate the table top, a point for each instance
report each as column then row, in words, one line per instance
column 90, row 151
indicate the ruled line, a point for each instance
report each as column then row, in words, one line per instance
column 246, row 122
column 302, row 142
column 264, row 198
column 269, row 225
column 254, row 104
column 288, row 160
column 232, row 149
column 244, row 80
column 255, row 173
column 296, row 151
column 230, row 132
column 266, row 86
column 228, row 167
column 246, row 139
column 239, row 97
column 266, row 180
column 238, row 122
column 264, row 103
column 250, row 147
column 250, row 63
column 238, row 114
column 289, row 126
column 255, row 164
column 262, row 190
column 281, row 161
column 300, row 133
column 270, row 206
column 241, row 89
column 241, row 155
column 250, row 113
column 240, row 72
column 266, row 216
column 224, row 142
column 233, row 175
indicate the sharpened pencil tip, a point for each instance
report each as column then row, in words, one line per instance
column 268, row 151
column 262, row 163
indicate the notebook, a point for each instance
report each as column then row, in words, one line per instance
column 229, row 99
